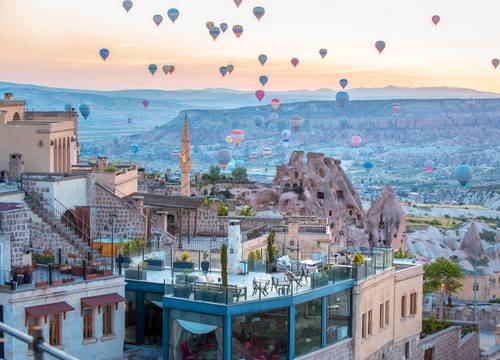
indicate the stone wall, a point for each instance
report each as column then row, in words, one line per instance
column 448, row 345
column 487, row 316
column 341, row 351
column 44, row 239
column 129, row 221
column 14, row 224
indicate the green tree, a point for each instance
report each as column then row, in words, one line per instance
column 445, row 275
column 271, row 250
column 239, row 174
column 251, row 260
column 221, row 209
column 223, row 262
column 247, row 211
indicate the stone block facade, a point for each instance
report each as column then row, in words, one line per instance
column 44, row 239
column 14, row 223
column 449, row 345
column 344, row 350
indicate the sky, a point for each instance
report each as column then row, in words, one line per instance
column 56, row 43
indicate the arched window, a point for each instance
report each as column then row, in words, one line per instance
column 16, row 117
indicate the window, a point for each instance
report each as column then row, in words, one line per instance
column 363, row 326
column 32, row 324
column 407, row 350
column 413, row 303
column 381, row 315
column 338, row 317
column 307, row 327
column 370, row 322
column 403, row 306
column 107, row 320
column 55, row 330
column 88, row 323
column 321, row 195
column 387, row 312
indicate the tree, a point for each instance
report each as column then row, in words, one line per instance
column 247, row 211
column 239, row 174
column 445, row 275
column 223, row 262
column 271, row 250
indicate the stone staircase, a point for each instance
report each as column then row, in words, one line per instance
column 56, row 217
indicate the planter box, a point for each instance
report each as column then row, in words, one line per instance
column 182, row 292
column 102, row 273
column 206, row 295
column 41, row 283
column 183, row 265
column 91, row 276
column 155, row 262
column 77, row 271
column 135, row 274
column 57, row 282
column 68, row 280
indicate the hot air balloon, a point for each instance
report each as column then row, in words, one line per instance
column 273, row 117
column 152, row 68
column 223, row 70
column 263, row 80
column 145, row 103
column 127, row 5
column 296, row 122
column 262, row 59
column 380, row 46
column 104, row 53
column 343, row 83
column 115, row 139
column 134, row 148
column 157, row 19
column 237, row 136
column 344, row 122
column 286, row 143
column 209, row 24
column 342, row 98
column 294, row 62
column 237, row 2
column 259, row 94
column 173, row 14
column 224, row 27
column 259, row 12
column 356, row 141
column 396, row 107
column 463, row 174
column 230, row 69
column 175, row 154
column 253, row 157
column 166, row 69
column 238, row 30
column 368, row 165
column 259, row 120
column 84, row 110
column 171, row 69
column 285, row 134
column 267, row 151
column 495, row 62
column 323, row 52
column 129, row 120
column 275, row 104
column 429, row 166
column 223, row 158
column 436, row 19
column 229, row 140
column 214, row 32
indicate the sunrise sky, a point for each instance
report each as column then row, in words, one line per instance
column 56, row 43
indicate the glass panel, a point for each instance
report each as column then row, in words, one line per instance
column 130, row 317
column 192, row 337
column 153, row 319
column 261, row 335
column 307, row 327
column 338, row 317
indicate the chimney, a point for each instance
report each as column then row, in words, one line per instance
column 234, row 248
column 16, row 166
column 102, row 162
column 8, row 96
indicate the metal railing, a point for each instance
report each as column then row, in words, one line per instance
column 35, row 343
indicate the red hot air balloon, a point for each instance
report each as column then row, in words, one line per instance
column 436, row 19
column 275, row 104
column 238, row 30
column 396, row 107
column 145, row 103
column 356, row 141
column 294, row 62
column 253, row 157
column 380, row 46
column 237, row 136
column 267, row 151
column 495, row 62
column 259, row 94
column 171, row 69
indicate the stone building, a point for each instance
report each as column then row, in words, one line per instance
column 48, row 141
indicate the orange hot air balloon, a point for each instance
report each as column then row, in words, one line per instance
column 237, row 136
column 275, row 104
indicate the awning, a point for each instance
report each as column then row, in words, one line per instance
column 102, row 300
column 48, row 309
column 196, row 328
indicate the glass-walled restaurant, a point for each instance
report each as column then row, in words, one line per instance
column 276, row 333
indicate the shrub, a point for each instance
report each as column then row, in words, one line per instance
column 247, row 211
column 251, row 260
column 488, row 236
column 402, row 254
column 358, row 259
column 433, row 325
column 110, row 168
column 495, row 301
column 185, row 257
column 222, row 210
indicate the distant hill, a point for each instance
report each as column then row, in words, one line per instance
column 111, row 109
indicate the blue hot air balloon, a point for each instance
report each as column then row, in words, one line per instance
column 104, row 53
column 173, row 14
column 127, row 5
column 259, row 12
column 223, row 70
column 342, row 98
column 262, row 59
column 463, row 174
column 259, row 120
column 263, row 80
column 152, row 68
column 134, row 148
column 286, row 143
column 214, row 32
column 344, row 122
column 84, row 110
column 368, row 165
column 224, row 27
column 343, row 83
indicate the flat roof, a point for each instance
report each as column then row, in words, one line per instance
column 10, row 206
column 180, row 202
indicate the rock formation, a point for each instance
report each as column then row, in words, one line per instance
column 387, row 221
column 471, row 244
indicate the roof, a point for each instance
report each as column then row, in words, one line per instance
column 48, row 309
column 181, row 202
column 10, row 206
column 101, row 300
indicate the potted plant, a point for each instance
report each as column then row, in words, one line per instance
column 358, row 259
column 184, row 262
column 223, row 262
column 205, row 264
column 206, row 293
column 154, row 263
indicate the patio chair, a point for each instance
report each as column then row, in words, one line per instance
column 255, row 287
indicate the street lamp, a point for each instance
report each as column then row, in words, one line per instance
column 111, row 222
column 294, row 240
